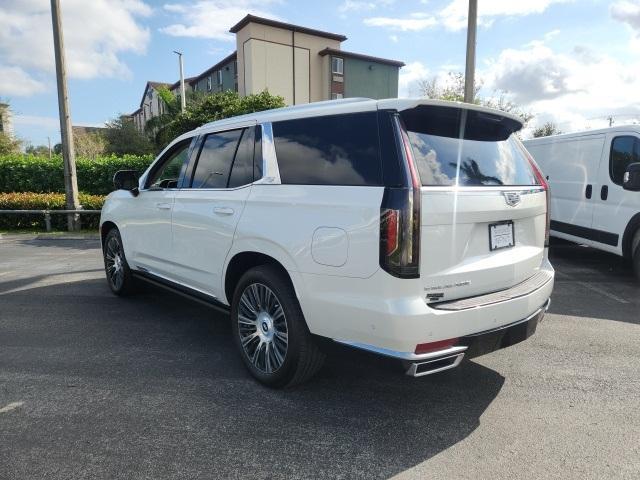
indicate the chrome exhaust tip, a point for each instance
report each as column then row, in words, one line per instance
column 420, row 369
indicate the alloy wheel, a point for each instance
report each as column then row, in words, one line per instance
column 262, row 327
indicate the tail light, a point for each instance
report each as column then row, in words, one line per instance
column 542, row 182
column 400, row 217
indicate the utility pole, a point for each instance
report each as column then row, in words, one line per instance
column 610, row 118
column 183, row 99
column 49, row 142
column 68, row 154
column 470, row 70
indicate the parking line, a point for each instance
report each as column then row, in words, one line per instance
column 593, row 288
column 11, row 406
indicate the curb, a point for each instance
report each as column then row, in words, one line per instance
column 49, row 236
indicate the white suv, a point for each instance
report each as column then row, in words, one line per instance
column 414, row 229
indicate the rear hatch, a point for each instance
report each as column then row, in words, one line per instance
column 483, row 203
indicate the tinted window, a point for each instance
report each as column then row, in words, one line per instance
column 168, row 172
column 624, row 150
column 215, row 160
column 477, row 148
column 480, row 162
column 242, row 170
column 330, row 150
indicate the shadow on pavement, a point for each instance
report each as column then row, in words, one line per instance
column 67, row 243
column 151, row 387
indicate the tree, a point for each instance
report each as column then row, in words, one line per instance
column 9, row 144
column 452, row 89
column 122, row 137
column 207, row 108
column 89, row 145
column 39, row 150
column 546, row 130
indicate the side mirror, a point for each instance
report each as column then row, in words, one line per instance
column 126, row 180
column 631, row 178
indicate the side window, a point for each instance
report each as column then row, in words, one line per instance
column 215, row 159
column 624, row 150
column 167, row 173
column 242, row 170
column 329, row 150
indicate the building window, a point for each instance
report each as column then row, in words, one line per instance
column 219, row 77
column 336, row 96
column 209, row 83
column 337, row 65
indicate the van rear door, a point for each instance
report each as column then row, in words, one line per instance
column 483, row 207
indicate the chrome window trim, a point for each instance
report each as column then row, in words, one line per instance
column 270, row 170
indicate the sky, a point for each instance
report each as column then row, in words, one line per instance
column 573, row 62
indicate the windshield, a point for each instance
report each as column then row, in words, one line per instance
column 441, row 160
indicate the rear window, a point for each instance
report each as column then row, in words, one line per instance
column 329, row 150
column 481, row 152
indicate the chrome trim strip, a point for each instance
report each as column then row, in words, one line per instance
column 409, row 356
column 412, row 370
column 270, row 171
column 522, row 289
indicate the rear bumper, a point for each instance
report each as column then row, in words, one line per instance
column 469, row 346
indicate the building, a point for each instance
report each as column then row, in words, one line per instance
column 6, row 120
column 298, row 63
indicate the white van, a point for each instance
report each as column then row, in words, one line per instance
column 594, row 178
column 410, row 228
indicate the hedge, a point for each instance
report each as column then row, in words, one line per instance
column 30, row 173
column 45, row 201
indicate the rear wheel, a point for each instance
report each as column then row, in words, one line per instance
column 116, row 268
column 270, row 331
column 635, row 249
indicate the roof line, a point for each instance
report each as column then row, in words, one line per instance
column 221, row 63
column 360, row 56
column 286, row 26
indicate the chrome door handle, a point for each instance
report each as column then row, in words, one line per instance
column 223, row 210
column 163, row 206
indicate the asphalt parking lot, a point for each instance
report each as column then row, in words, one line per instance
column 150, row 387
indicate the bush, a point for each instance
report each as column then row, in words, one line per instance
column 29, row 173
column 45, row 201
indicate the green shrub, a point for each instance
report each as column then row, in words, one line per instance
column 45, row 201
column 30, row 173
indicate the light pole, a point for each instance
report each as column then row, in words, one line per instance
column 68, row 154
column 183, row 100
column 470, row 70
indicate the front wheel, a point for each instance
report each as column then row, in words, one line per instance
column 270, row 331
column 116, row 268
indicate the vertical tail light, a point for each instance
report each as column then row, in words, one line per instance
column 544, row 184
column 400, row 217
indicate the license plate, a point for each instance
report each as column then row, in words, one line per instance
column 501, row 235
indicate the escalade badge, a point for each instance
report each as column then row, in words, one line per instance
column 512, row 198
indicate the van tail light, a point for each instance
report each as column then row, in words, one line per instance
column 542, row 182
column 400, row 217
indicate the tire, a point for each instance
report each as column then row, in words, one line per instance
column 270, row 330
column 119, row 277
column 635, row 257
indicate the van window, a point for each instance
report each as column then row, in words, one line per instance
column 482, row 151
column 329, row 150
column 624, row 151
column 215, row 159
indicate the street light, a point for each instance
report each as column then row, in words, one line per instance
column 183, row 100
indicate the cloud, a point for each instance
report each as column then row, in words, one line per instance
column 415, row 22
column 409, row 79
column 576, row 90
column 213, row 18
column 49, row 123
column 627, row 12
column 95, row 33
column 454, row 15
column 15, row 81
column 361, row 6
